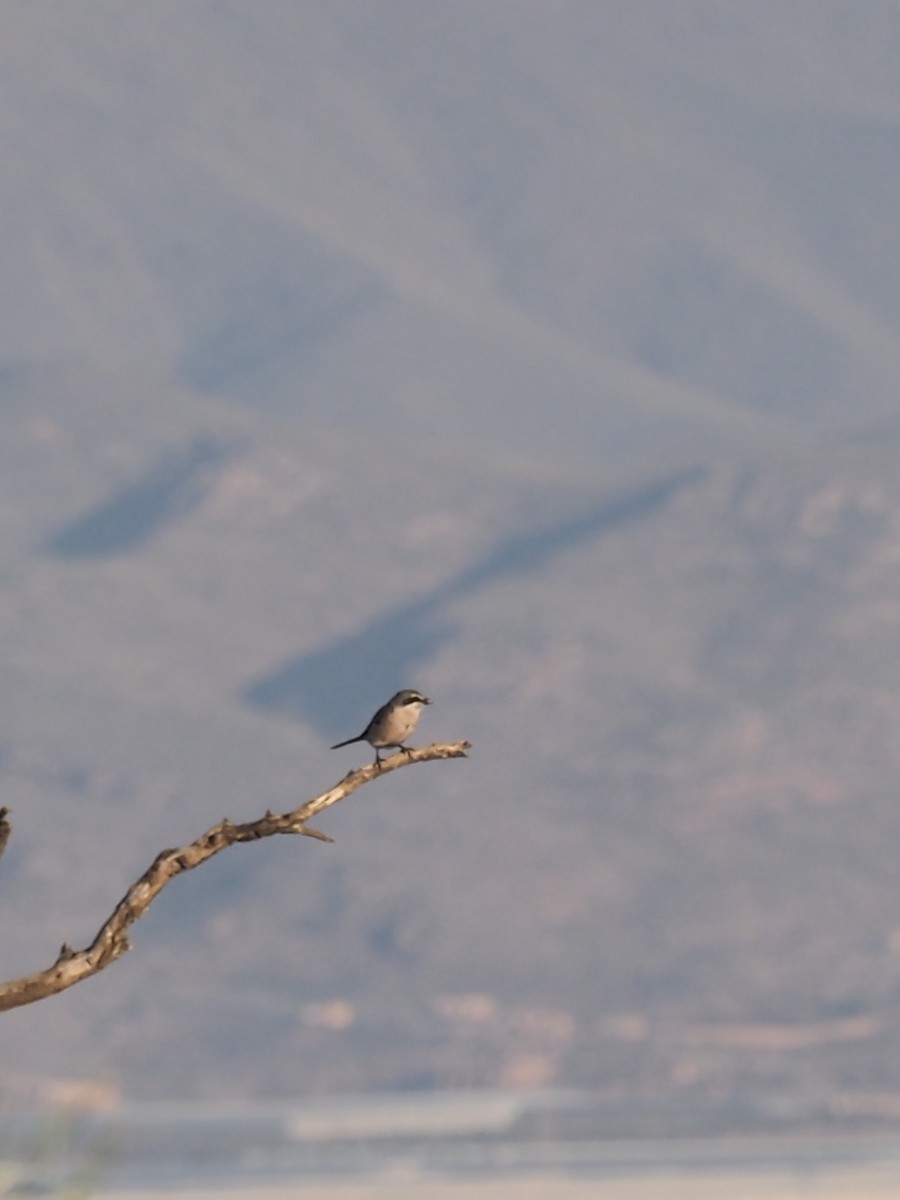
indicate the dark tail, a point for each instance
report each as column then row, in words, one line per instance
column 349, row 741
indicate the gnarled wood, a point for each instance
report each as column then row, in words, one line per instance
column 111, row 942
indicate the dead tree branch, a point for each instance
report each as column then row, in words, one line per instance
column 111, row 942
column 5, row 829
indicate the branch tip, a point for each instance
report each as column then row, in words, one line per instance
column 308, row 831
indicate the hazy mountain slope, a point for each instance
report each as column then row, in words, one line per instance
column 507, row 353
column 680, row 810
column 676, row 227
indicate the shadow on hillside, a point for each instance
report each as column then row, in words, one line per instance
column 142, row 510
column 337, row 686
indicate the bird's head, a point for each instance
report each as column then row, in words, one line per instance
column 410, row 696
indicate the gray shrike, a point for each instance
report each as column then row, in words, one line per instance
column 392, row 724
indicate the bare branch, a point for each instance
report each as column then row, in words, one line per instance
column 5, row 829
column 111, row 942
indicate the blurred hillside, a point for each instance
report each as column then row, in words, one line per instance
column 543, row 361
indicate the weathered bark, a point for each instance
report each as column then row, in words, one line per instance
column 111, row 942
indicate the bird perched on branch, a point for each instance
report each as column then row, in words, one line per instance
column 392, row 724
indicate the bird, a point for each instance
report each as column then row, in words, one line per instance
column 392, row 724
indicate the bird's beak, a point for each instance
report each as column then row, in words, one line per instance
column 427, row 701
